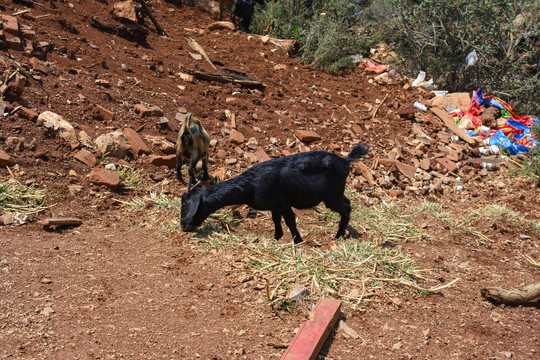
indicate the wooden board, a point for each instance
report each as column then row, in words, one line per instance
column 312, row 335
column 449, row 122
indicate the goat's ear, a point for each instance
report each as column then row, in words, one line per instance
column 192, row 206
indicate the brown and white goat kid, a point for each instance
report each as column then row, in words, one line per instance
column 192, row 146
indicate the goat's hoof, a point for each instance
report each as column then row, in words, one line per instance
column 298, row 240
column 278, row 236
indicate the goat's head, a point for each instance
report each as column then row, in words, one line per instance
column 191, row 216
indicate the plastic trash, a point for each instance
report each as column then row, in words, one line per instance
column 471, row 59
column 490, row 150
column 419, row 79
column 484, row 131
column 371, row 66
column 486, row 165
column 420, row 106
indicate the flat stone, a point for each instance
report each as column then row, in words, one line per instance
column 168, row 160
column 105, row 177
column 86, row 157
column 307, row 135
column 405, row 169
column 425, row 164
column 447, row 164
column 459, row 100
column 236, row 137
column 137, row 144
column 107, row 114
column 261, row 156
column 10, row 24
column 148, row 110
column 5, row 159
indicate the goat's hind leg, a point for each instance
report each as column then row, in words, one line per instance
column 276, row 218
column 343, row 207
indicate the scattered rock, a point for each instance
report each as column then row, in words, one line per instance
column 148, row 110
column 5, row 159
column 453, row 101
column 113, row 144
column 125, row 10
column 346, row 331
column 86, row 157
column 57, row 123
column 169, row 161
column 307, row 135
column 105, row 177
column 297, row 293
column 137, row 144
column 236, row 137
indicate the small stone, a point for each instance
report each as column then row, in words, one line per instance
column 105, row 177
column 297, row 293
column 5, row 159
column 397, row 346
column 86, row 157
column 236, row 137
column 46, row 281
column 7, row 219
column 47, row 311
column 307, row 135
column 169, row 161
column 231, row 161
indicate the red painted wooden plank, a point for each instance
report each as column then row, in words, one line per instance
column 310, row 338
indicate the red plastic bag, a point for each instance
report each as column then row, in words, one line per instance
column 371, row 66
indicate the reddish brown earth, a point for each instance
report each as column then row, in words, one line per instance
column 120, row 287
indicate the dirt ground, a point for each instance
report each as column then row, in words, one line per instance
column 118, row 286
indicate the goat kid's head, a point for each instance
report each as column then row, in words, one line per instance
column 191, row 217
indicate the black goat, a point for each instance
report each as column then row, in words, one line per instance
column 244, row 10
column 301, row 181
column 192, row 146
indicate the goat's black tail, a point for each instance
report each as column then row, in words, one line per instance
column 358, row 151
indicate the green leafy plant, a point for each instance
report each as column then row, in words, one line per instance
column 437, row 35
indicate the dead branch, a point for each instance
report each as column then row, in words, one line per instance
column 512, row 297
column 226, row 78
column 221, row 25
column 61, row 222
column 131, row 32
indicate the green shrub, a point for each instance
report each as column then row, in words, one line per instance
column 323, row 28
column 436, row 36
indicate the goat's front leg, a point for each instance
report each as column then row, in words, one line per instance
column 192, row 166
column 290, row 220
column 276, row 218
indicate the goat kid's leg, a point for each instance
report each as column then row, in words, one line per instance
column 205, row 167
column 290, row 220
column 192, row 166
column 179, row 161
column 276, row 218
